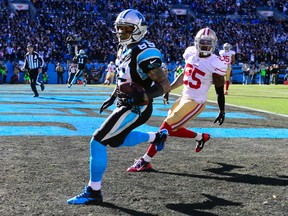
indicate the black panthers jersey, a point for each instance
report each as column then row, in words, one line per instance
column 135, row 63
column 81, row 60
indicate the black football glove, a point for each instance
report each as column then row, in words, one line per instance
column 220, row 118
column 107, row 103
column 166, row 98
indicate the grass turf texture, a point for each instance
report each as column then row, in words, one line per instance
column 272, row 98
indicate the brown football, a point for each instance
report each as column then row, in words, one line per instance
column 132, row 87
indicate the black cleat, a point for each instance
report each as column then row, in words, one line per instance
column 161, row 137
column 200, row 143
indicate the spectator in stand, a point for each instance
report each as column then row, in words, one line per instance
column 16, row 70
column 262, row 69
column 286, row 77
column 60, row 72
column 45, row 77
column 3, row 73
column 245, row 71
column 178, row 71
column 252, row 38
column 268, row 74
column 252, row 74
column 275, row 73
column 26, row 78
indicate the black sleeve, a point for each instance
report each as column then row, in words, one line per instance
column 220, row 97
column 150, row 64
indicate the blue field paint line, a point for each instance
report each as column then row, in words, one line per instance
column 38, row 131
column 29, row 111
column 87, row 130
column 56, row 99
column 44, row 118
column 53, row 106
column 46, row 110
column 157, row 111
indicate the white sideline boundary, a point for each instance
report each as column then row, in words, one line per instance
column 243, row 107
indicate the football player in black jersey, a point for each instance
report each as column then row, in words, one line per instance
column 80, row 59
column 138, row 61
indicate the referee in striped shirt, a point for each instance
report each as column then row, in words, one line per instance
column 33, row 63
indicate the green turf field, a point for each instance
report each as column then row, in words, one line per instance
column 272, row 98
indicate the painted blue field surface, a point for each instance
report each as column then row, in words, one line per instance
column 72, row 108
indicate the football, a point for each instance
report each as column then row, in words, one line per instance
column 135, row 90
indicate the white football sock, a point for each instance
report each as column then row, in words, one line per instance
column 152, row 137
column 147, row 158
column 198, row 136
column 94, row 185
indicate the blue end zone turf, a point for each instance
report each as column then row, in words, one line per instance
column 62, row 108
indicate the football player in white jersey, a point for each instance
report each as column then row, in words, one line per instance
column 228, row 56
column 202, row 69
column 111, row 69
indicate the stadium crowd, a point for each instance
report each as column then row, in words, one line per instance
column 253, row 39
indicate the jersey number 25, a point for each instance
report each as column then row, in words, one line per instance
column 194, row 73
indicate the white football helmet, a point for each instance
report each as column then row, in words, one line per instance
column 132, row 18
column 226, row 47
column 206, row 41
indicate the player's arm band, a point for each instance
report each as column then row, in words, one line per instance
column 220, row 97
column 155, row 91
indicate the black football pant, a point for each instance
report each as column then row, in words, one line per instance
column 71, row 77
column 60, row 78
column 120, row 123
column 33, row 74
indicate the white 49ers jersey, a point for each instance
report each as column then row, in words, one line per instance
column 198, row 74
column 111, row 68
column 227, row 56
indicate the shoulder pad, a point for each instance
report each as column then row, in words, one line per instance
column 221, row 52
column 150, row 53
column 189, row 52
column 220, row 67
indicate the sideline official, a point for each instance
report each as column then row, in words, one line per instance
column 33, row 63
